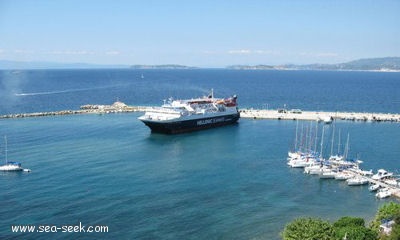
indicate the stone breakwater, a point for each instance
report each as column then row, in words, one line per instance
column 282, row 114
column 117, row 107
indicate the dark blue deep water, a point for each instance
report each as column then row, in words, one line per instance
column 41, row 90
column 225, row 183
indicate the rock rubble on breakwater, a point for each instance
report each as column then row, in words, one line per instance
column 117, row 107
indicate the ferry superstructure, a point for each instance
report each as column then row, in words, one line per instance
column 178, row 116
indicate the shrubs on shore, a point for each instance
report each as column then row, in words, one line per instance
column 354, row 228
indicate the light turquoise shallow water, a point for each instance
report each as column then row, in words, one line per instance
column 224, row 183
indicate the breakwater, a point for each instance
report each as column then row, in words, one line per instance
column 117, row 107
column 280, row 114
column 318, row 116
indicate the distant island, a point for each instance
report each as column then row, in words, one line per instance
column 14, row 65
column 165, row 66
column 386, row 64
column 369, row 64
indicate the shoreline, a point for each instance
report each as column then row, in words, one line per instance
column 281, row 114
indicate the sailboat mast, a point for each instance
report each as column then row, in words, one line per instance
column 306, row 140
column 347, row 147
column 301, row 138
column 322, row 140
column 310, row 138
column 338, row 146
column 5, row 142
column 316, row 137
column 333, row 138
column 295, row 143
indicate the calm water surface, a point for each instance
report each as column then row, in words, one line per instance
column 225, row 183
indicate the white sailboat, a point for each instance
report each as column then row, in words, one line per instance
column 10, row 166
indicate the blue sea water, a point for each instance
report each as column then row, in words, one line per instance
column 225, row 183
column 41, row 90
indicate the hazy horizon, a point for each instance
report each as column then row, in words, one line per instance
column 202, row 34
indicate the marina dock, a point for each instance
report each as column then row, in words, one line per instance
column 395, row 190
column 339, row 169
column 277, row 114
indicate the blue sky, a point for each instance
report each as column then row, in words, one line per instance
column 198, row 33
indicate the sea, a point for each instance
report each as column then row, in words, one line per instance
column 108, row 170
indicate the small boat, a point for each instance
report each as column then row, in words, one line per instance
column 327, row 173
column 314, row 169
column 325, row 119
column 383, row 193
column 343, row 175
column 391, row 181
column 301, row 162
column 362, row 172
column 381, row 174
column 298, row 163
column 10, row 166
column 373, row 187
column 357, row 181
column 328, row 120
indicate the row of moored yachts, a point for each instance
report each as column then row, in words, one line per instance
column 337, row 167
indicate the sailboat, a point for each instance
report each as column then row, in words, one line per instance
column 10, row 166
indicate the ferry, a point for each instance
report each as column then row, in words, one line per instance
column 179, row 116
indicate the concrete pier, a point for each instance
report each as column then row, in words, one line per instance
column 318, row 116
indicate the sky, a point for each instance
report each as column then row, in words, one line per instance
column 198, row 33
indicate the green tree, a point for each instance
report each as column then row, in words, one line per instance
column 395, row 234
column 389, row 210
column 349, row 221
column 308, row 229
column 353, row 228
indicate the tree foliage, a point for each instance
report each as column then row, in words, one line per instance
column 349, row 222
column 389, row 210
column 352, row 228
column 308, row 229
column 354, row 233
column 345, row 228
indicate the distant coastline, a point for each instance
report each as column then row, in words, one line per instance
column 164, row 66
column 386, row 64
